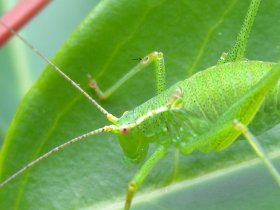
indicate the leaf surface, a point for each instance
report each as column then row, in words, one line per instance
column 92, row 174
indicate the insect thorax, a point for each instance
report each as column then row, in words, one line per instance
column 159, row 120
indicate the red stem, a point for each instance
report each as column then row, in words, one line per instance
column 19, row 15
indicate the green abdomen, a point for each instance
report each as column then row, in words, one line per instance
column 209, row 94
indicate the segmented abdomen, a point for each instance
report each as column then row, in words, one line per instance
column 206, row 96
column 210, row 93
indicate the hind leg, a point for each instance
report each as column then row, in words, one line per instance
column 258, row 149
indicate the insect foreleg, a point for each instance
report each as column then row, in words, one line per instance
column 137, row 180
column 154, row 57
column 258, row 149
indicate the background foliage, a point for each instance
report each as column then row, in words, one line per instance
column 92, row 174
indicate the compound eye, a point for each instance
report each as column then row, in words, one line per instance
column 124, row 130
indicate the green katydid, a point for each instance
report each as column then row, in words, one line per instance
column 187, row 113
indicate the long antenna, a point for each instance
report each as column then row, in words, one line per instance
column 109, row 116
column 108, row 128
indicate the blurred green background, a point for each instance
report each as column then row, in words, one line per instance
column 19, row 66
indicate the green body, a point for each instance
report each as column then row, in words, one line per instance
column 204, row 104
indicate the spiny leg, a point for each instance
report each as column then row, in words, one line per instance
column 258, row 149
column 154, row 57
column 137, row 180
column 237, row 51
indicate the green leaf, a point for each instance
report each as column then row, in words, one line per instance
column 20, row 67
column 92, row 174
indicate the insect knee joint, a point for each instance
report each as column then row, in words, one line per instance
column 132, row 186
column 239, row 125
column 151, row 57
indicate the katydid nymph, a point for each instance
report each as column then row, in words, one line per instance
column 206, row 112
